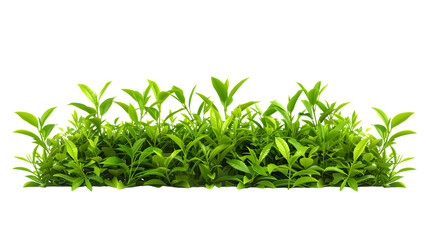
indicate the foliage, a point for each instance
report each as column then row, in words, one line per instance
column 246, row 147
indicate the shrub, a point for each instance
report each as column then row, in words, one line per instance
column 245, row 147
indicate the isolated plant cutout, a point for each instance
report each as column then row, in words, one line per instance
column 245, row 147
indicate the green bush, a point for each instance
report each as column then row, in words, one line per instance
column 245, row 147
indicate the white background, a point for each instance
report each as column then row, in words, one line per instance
column 372, row 53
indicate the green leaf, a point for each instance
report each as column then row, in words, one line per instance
column 217, row 150
column 312, row 96
column 154, row 182
column 292, row 101
column 34, row 178
column 234, row 90
column 28, row 133
column 383, row 116
column 104, row 89
column 303, row 89
column 77, row 183
column 244, row 106
column 271, row 167
column 88, row 184
column 308, row 107
column 266, row 183
column 353, row 184
column 226, row 124
column 381, row 130
column 46, row 130
column 306, row 172
column 334, row 169
column 360, row 147
column 71, row 149
column 364, row 178
column 123, row 106
column 304, row 180
column 177, row 140
column 83, row 107
column 260, row 170
column 179, row 94
column 133, row 113
column 221, row 89
column 214, row 119
column 162, row 96
column 154, row 87
column 23, row 169
column 28, row 117
column 113, row 161
column 190, row 96
column 343, row 184
column 400, row 118
column 397, row 184
column 406, row 169
column 105, row 106
column 402, row 133
column 89, row 94
column 283, row 148
column 31, row 184
column 239, row 165
column 306, row 162
column 265, row 152
column 45, row 115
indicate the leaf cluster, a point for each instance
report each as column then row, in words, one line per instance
column 244, row 147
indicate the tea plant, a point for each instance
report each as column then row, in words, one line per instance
column 246, row 147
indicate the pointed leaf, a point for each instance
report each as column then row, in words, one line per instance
column 23, row 169
column 383, row 116
column 239, row 165
column 154, row 182
column 46, row 130
column 177, row 140
column 89, row 93
column 292, row 102
column 306, row 162
column 31, row 184
column 154, row 87
column 234, row 90
column 77, row 183
column 334, row 169
column 406, row 169
column 265, row 151
column 353, row 184
column 88, row 184
column 360, row 147
column 45, row 115
column 28, row 133
column 133, row 113
column 402, row 133
column 381, row 130
column 28, row 117
column 397, row 184
column 221, row 90
column 71, row 149
column 283, row 148
column 179, row 94
column 104, row 89
column 400, row 118
column 65, row 177
column 85, row 108
column 304, row 180
column 105, row 106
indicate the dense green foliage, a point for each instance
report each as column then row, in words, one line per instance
column 245, row 147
